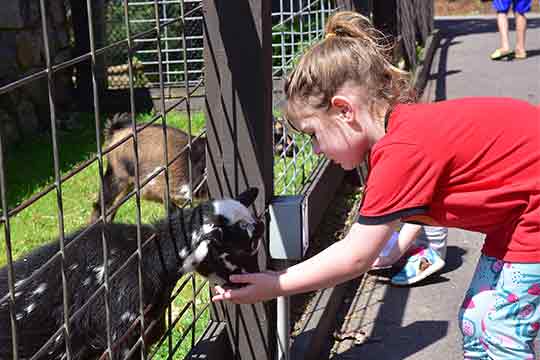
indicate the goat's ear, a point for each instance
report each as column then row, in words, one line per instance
column 248, row 197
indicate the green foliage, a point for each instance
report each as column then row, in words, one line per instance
column 292, row 174
column 30, row 170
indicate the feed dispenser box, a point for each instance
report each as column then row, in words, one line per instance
column 289, row 237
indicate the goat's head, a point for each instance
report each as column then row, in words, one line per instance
column 229, row 238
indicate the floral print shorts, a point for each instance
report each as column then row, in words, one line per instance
column 500, row 316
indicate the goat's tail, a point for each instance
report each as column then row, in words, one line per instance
column 118, row 121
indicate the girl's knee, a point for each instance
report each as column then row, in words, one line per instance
column 471, row 315
column 509, row 329
column 505, row 342
column 469, row 323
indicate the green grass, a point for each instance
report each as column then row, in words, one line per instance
column 291, row 174
column 185, row 327
column 30, row 170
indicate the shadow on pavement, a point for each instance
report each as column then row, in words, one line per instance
column 380, row 314
column 477, row 25
column 404, row 342
column 533, row 53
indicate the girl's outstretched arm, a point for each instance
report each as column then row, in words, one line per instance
column 407, row 235
column 344, row 260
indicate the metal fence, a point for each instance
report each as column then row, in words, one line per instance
column 295, row 26
column 52, row 205
column 181, row 42
column 155, row 34
column 240, row 59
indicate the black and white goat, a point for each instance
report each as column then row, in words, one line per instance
column 216, row 239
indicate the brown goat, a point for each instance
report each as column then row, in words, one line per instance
column 119, row 177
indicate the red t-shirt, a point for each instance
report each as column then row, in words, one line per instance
column 471, row 163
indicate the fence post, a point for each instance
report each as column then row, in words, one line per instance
column 79, row 17
column 361, row 6
column 385, row 17
column 238, row 104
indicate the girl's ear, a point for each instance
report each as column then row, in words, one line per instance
column 343, row 106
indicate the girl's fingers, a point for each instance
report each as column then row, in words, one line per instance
column 243, row 278
column 256, row 287
column 244, row 295
column 221, row 294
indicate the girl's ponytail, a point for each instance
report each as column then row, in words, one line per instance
column 352, row 51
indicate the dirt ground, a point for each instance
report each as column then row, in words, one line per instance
column 470, row 7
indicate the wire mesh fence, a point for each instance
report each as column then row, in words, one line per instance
column 50, row 183
column 62, row 173
column 296, row 25
column 156, row 44
column 181, row 42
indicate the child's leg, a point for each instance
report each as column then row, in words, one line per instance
column 521, row 30
column 502, row 7
column 500, row 316
column 512, row 325
column 478, row 300
column 434, row 237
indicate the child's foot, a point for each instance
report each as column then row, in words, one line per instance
column 501, row 54
column 422, row 263
column 520, row 54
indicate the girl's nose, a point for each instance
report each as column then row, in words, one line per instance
column 315, row 145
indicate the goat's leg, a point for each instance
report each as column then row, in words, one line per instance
column 112, row 188
column 126, row 188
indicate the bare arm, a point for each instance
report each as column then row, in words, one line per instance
column 406, row 238
column 344, row 260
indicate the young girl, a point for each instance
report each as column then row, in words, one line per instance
column 470, row 163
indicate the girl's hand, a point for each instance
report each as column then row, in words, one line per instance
column 381, row 263
column 259, row 287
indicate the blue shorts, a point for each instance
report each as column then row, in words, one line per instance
column 519, row 6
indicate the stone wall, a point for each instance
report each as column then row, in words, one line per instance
column 25, row 110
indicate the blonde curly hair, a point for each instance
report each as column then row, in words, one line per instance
column 352, row 52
